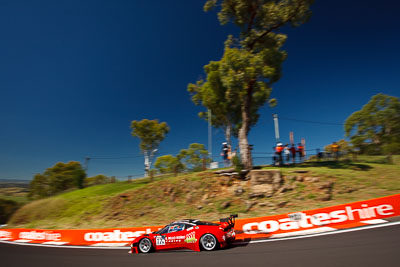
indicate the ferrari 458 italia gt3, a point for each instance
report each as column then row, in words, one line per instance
column 187, row 234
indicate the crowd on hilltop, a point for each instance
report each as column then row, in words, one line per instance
column 285, row 154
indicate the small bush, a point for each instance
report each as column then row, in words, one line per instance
column 7, row 208
column 237, row 164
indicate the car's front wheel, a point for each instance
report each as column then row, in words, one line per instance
column 145, row 245
column 208, row 242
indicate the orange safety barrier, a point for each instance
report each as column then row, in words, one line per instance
column 305, row 222
column 335, row 217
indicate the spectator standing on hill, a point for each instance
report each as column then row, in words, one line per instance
column 230, row 155
column 225, row 154
column 286, row 152
column 293, row 151
column 319, row 154
column 335, row 150
column 300, row 150
column 279, row 150
column 274, row 156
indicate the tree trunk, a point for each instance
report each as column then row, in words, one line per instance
column 204, row 164
column 228, row 133
column 245, row 151
column 148, row 160
column 146, row 164
column 245, row 154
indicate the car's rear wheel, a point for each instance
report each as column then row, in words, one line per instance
column 145, row 245
column 208, row 242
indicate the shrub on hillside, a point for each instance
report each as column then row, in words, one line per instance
column 96, row 180
column 195, row 158
column 56, row 179
column 168, row 164
column 7, row 208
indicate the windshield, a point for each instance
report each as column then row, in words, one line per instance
column 164, row 230
column 171, row 228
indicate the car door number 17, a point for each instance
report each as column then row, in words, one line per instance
column 160, row 240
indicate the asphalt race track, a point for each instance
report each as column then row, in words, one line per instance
column 373, row 247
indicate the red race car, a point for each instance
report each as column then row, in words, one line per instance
column 187, row 234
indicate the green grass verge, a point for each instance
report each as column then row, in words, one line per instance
column 207, row 196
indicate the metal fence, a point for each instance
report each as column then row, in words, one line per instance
column 259, row 159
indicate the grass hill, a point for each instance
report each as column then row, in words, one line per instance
column 208, row 196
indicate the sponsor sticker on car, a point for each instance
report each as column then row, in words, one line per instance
column 191, row 238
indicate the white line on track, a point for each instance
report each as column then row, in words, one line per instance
column 375, row 221
column 55, row 243
column 251, row 242
column 22, row 241
column 325, row 233
column 304, row 232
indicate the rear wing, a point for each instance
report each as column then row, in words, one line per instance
column 229, row 220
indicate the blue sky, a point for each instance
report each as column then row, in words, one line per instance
column 74, row 74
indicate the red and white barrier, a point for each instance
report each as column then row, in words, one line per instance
column 301, row 223
column 320, row 220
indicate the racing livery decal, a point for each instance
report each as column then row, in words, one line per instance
column 191, row 238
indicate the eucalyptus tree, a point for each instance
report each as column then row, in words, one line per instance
column 168, row 164
column 375, row 129
column 194, row 157
column 252, row 61
column 150, row 133
column 212, row 94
